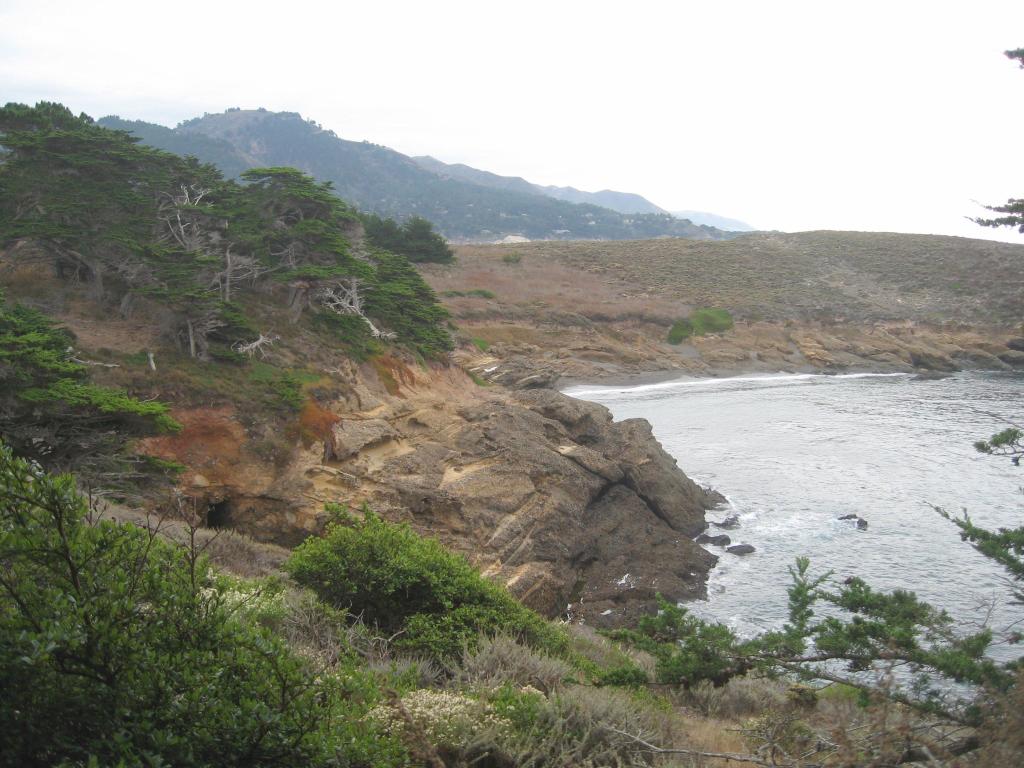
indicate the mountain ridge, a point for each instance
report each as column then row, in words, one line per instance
column 621, row 202
column 383, row 181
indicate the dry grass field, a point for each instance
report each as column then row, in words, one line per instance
column 828, row 276
column 805, row 301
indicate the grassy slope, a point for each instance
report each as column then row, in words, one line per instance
column 856, row 277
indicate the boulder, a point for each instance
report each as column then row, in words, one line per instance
column 730, row 522
column 857, row 520
column 740, row 549
column 354, row 435
column 719, row 541
column 932, row 360
column 1012, row 357
column 1016, row 344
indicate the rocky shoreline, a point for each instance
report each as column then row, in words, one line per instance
column 577, row 514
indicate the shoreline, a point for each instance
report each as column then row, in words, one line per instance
column 628, row 380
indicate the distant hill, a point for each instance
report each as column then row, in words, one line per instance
column 219, row 152
column 380, row 180
column 622, row 202
column 714, row 220
column 476, row 176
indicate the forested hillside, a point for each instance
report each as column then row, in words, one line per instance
column 216, row 269
column 379, row 180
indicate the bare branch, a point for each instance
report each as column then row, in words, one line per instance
column 260, row 345
column 343, row 298
column 80, row 361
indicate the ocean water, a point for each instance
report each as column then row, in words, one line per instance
column 793, row 453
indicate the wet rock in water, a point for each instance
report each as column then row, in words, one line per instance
column 1013, row 358
column 714, row 496
column 730, row 522
column 741, row 549
column 719, row 541
column 932, row 361
column 859, row 521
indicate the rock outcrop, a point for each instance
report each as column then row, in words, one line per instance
column 741, row 549
column 718, row 541
column 573, row 511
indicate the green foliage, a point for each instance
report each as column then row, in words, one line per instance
column 128, row 219
column 163, row 466
column 433, row 600
column 520, row 707
column 283, row 387
column 351, row 332
column 482, row 344
column 680, row 331
column 687, row 650
column 1009, row 442
column 49, row 410
column 119, row 648
column 624, row 675
column 415, row 239
column 472, row 293
column 700, row 322
column 710, row 320
column 403, row 302
column 511, row 258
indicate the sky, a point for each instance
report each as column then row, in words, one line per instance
column 891, row 116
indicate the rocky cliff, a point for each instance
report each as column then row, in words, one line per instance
column 574, row 512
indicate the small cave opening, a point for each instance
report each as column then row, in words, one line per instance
column 218, row 515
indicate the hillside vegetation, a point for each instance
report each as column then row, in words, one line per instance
column 208, row 264
column 380, row 180
column 829, row 276
column 833, row 301
column 128, row 644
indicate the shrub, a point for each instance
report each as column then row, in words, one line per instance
column 434, row 600
column 711, row 320
column 445, row 718
column 581, row 727
column 700, row 322
column 501, row 659
column 482, row 344
column 739, row 698
column 511, row 258
column 626, row 675
column 680, row 330
column 472, row 293
column 415, row 238
column 687, row 650
column 117, row 647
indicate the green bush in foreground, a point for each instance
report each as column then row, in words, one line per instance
column 117, row 647
column 431, row 599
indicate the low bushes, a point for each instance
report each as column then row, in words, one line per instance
column 499, row 660
column 432, row 600
column 118, row 647
column 700, row 322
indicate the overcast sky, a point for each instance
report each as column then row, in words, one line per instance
column 789, row 115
